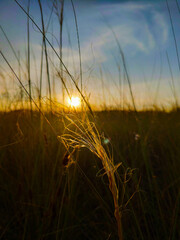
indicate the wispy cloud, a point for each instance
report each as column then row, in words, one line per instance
column 161, row 23
column 138, row 27
column 113, row 8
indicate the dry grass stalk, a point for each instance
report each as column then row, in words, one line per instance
column 85, row 134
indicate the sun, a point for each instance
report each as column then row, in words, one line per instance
column 74, row 102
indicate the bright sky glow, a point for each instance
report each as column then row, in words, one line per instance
column 74, row 102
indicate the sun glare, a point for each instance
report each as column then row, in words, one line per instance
column 74, row 102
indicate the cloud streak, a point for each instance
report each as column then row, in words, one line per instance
column 137, row 31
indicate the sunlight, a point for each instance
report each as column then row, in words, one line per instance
column 74, row 102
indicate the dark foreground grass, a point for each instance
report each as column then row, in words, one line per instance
column 43, row 198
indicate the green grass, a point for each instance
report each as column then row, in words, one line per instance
column 40, row 198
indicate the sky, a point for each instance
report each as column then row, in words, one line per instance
column 141, row 28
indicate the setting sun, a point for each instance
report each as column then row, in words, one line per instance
column 74, row 102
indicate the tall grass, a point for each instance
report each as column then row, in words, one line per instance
column 28, row 57
column 51, row 193
column 172, row 84
column 173, row 32
column 87, row 135
column 46, row 54
column 93, row 137
column 59, row 11
column 52, row 187
column 79, row 47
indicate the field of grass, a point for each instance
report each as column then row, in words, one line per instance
column 72, row 172
column 44, row 194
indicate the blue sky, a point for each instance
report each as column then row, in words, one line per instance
column 142, row 28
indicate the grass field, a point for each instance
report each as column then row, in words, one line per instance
column 67, row 170
column 44, row 196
